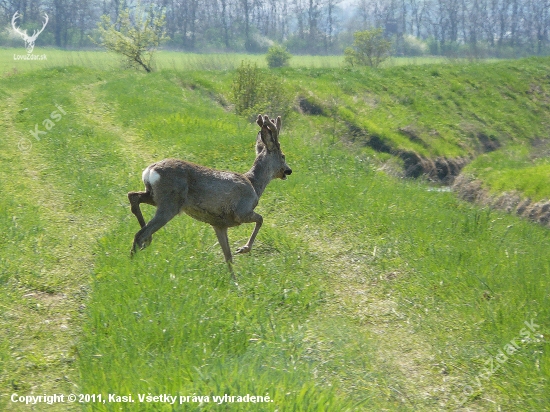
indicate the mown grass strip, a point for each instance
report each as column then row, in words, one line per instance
column 54, row 214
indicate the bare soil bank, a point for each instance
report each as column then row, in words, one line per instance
column 473, row 191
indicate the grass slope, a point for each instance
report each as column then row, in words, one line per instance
column 494, row 113
column 364, row 292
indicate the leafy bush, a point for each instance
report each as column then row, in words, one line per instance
column 277, row 56
column 246, row 87
column 255, row 91
column 135, row 37
column 413, row 46
column 370, row 48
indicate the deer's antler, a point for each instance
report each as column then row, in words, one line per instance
column 269, row 123
column 29, row 40
column 273, row 125
column 22, row 33
column 35, row 34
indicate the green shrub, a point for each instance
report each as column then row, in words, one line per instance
column 246, row 87
column 277, row 56
column 136, row 36
column 370, row 48
column 256, row 91
column 413, row 46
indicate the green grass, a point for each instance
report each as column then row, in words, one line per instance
column 450, row 109
column 363, row 292
column 166, row 59
column 524, row 169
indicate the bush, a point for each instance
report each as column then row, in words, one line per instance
column 255, row 91
column 246, row 87
column 413, row 46
column 136, row 37
column 277, row 56
column 370, row 48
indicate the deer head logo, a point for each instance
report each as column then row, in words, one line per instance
column 29, row 40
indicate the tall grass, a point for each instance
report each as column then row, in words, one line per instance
column 174, row 60
column 163, row 60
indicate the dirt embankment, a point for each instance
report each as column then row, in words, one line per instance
column 448, row 172
column 442, row 170
column 473, row 191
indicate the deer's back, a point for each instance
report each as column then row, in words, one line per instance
column 212, row 196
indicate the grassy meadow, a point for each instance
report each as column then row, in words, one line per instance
column 166, row 59
column 364, row 291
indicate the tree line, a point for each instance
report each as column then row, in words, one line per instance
column 505, row 28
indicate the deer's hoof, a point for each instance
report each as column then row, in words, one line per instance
column 146, row 242
column 142, row 244
column 244, row 249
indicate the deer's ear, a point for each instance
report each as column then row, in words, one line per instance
column 279, row 123
column 259, row 143
column 260, row 121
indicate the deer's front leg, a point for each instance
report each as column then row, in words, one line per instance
column 258, row 219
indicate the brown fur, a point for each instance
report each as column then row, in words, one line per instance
column 219, row 198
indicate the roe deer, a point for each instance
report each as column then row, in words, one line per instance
column 222, row 199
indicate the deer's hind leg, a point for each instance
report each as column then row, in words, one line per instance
column 143, row 237
column 135, row 199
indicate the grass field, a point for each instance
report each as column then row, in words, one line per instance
column 364, row 291
column 166, row 59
